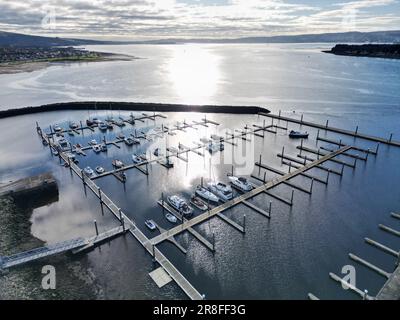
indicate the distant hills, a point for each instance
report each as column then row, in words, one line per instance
column 23, row 40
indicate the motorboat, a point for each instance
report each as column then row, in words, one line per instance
column 57, row 128
column 96, row 148
column 221, row 190
column 103, row 126
column 64, row 144
column 136, row 159
column 117, row 163
column 88, row 171
column 215, row 147
column 54, row 152
column 45, row 143
column 73, row 125
column 143, row 157
column 93, row 142
column 100, row 170
column 171, row 218
column 298, row 135
column 241, row 183
column 180, row 205
column 120, row 123
column 109, row 125
column 90, row 123
column 198, row 203
column 121, row 136
column 103, row 147
column 205, row 194
column 96, row 121
column 150, row 224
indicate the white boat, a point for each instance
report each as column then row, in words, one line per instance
column 171, row 218
column 129, row 141
column 54, row 152
column 100, row 170
column 180, row 205
column 205, row 194
column 88, row 171
column 241, row 183
column 198, row 203
column 93, row 142
column 117, row 163
column 136, row 159
column 103, row 126
column 96, row 148
column 73, row 125
column 57, row 128
column 221, row 190
column 215, row 147
column 64, row 144
column 120, row 123
column 150, row 224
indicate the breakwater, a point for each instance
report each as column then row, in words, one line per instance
column 132, row 106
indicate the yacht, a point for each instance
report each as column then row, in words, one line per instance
column 109, row 125
column 136, row 159
column 54, row 151
column 205, row 194
column 117, row 163
column 63, row 144
column 215, row 147
column 171, row 218
column 96, row 148
column 120, row 123
column 198, row 203
column 223, row 191
column 100, row 170
column 57, row 128
column 298, row 134
column 150, row 224
column 103, row 126
column 93, row 142
column 180, row 205
column 241, row 183
column 89, row 172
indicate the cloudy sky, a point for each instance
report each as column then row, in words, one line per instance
column 137, row 19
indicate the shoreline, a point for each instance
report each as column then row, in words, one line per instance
column 31, row 66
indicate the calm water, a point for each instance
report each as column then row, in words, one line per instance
column 284, row 258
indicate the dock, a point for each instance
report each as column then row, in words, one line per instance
column 40, row 183
column 355, row 133
column 391, row 288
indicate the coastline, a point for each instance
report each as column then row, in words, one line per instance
column 31, row 66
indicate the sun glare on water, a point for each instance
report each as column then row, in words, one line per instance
column 194, row 72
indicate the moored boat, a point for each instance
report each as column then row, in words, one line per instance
column 205, row 194
column 198, row 203
column 298, row 134
column 171, row 218
column 150, row 224
column 96, row 148
column 117, row 163
column 100, row 170
column 241, row 183
column 88, row 171
column 221, row 190
column 180, row 205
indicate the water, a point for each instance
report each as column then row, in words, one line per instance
column 284, row 258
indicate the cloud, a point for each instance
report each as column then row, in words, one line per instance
column 189, row 18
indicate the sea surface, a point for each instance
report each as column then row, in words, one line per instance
column 282, row 258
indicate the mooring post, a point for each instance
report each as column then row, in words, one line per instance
column 292, row 197
column 95, row 225
column 213, row 241
column 123, row 224
column 329, row 173
column 260, row 159
column 201, row 181
column 355, row 163
column 301, row 119
column 390, row 138
column 368, row 151
column 120, row 213
column 301, row 146
column 270, row 208
column 162, row 202
column 83, row 177
column 265, row 177
column 233, row 170
column 290, row 167
column 283, row 152
column 153, row 251
column 327, row 124
column 356, row 132
column 100, row 196
column 312, row 184
column 377, row 148
column 280, row 114
column 244, row 223
column 264, row 125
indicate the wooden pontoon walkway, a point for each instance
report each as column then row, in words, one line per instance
column 230, row 204
column 333, row 129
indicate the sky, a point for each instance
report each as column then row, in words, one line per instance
column 157, row 19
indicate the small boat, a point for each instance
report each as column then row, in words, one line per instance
column 241, row 183
column 136, row 159
column 90, row 123
column 54, row 152
column 205, row 194
column 73, row 125
column 143, row 157
column 78, row 146
column 298, row 134
column 215, row 147
column 93, row 142
column 171, row 218
column 71, row 133
column 109, row 125
column 103, row 126
column 129, row 141
column 96, row 121
column 96, row 148
column 117, row 163
column 120, row 123
column 180, row 205
column 121, row 136
column 150, row 224
column 45, row 143
column 100, row 170
column 88, row 171
column 103, row 147
column 223, row 191
column 198, row 203
column 63, row 144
